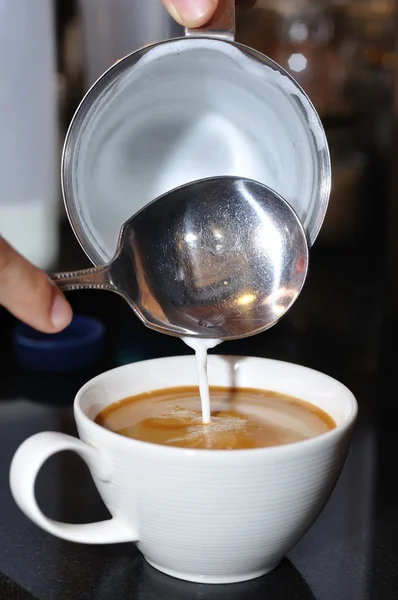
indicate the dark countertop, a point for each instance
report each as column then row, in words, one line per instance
column 351, row 553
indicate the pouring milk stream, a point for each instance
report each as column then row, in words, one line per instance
column 201, row 346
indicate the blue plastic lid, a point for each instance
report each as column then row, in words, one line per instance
column 79, row 346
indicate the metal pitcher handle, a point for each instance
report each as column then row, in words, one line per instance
column 221, row 26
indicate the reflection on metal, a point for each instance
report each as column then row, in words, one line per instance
column 246, row 299
column 179, row 279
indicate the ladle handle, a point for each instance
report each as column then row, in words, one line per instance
column 96, row 278
column 221, row 26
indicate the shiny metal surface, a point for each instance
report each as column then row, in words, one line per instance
column 114, row 162
column 221, row 26
column 219, row 258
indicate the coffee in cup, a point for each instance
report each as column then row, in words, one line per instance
column 240, row 419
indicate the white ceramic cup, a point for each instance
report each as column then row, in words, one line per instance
column 202, row 515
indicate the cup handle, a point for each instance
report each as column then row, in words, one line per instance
column 25, row 466
column 221, row 26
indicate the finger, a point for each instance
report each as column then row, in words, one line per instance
column 191, row 13
column 29, row 294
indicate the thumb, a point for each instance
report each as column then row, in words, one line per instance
column 191, row 13
column 29, row 294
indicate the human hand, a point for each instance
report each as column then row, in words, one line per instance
column 29, row 294
column 195, row 13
